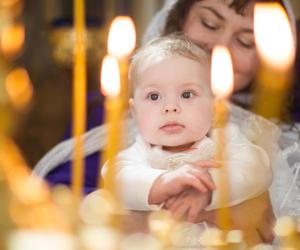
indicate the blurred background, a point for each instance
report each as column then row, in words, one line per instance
column 47, row 56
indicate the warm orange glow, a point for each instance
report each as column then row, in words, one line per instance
column 122, row 37
column 221, row 72
column 8, row 3
column 110, row 76
column 19, row 88
column 273, row 35
column 12, row 39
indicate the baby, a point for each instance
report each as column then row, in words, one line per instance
column 171, row 162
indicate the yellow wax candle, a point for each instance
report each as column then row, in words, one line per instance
column 79, row 96
column 114, row 76
column 222, row 86
column 110, row 85
column 122, row 29
column 276, row 48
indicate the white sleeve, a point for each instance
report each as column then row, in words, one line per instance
column 248, row 171
column 134, row 177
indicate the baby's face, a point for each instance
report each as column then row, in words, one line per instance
column 172, row 103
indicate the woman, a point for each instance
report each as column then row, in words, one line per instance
column 206, row 22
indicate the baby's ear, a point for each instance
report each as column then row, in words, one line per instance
column 132, row 107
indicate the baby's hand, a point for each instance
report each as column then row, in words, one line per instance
column 189, row 204
column 174, row 182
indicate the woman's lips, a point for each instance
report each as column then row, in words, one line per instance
column 172, row 127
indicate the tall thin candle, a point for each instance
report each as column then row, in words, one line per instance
column 79, row 96
column 276, row 48
column 122, row 29
column 222, row 86
column 110, row 85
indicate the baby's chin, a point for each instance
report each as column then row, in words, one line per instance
column 174, row 143
column 174, row 147
column 178, row 148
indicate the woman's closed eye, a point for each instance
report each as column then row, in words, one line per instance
column 153, row 96
column 209, row 25
column 246, row 42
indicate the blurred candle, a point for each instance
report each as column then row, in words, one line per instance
column 12, row 39
column 114, row 86
column 276, row 49
column 79, row 96
column 222, row 86
column 121, row 43
column 110, row 86
column 19, row 88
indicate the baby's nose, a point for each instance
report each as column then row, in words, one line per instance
column 170, row 110
column 171, row 107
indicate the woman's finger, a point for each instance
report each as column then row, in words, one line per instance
column 180, row 210
column 169, row 202
column 207, row 164
column 192, row 181
column 205, row 178
column 193, row 213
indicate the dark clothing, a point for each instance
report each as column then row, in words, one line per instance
column 62, row 173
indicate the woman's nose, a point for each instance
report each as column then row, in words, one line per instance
column 223, row 39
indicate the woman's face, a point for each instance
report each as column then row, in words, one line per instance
column 212, row 22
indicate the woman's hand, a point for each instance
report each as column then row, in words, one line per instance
column 188, row 204
column 254, row 217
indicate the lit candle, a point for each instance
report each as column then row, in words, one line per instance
column 40, row 239
column 276, row 49
column 110, row 86
column 222, row 86
column 121, row 43
column 79, row 97
column 114, row 86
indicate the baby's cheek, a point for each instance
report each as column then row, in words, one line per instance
column 146, row 130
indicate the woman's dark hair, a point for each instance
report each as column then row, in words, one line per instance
column 181, row 8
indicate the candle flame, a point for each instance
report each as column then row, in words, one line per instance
column 110, row 76
column 122, row 37
column 221, row 72
column 273, row 35
column 9, row 3
column 19, row 88
column 12, row 39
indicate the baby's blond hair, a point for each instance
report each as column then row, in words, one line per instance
column 162, row 48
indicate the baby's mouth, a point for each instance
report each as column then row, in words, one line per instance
column 172, row 127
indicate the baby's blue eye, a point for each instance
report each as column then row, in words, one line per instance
column 153, row 96
column 187, row 94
